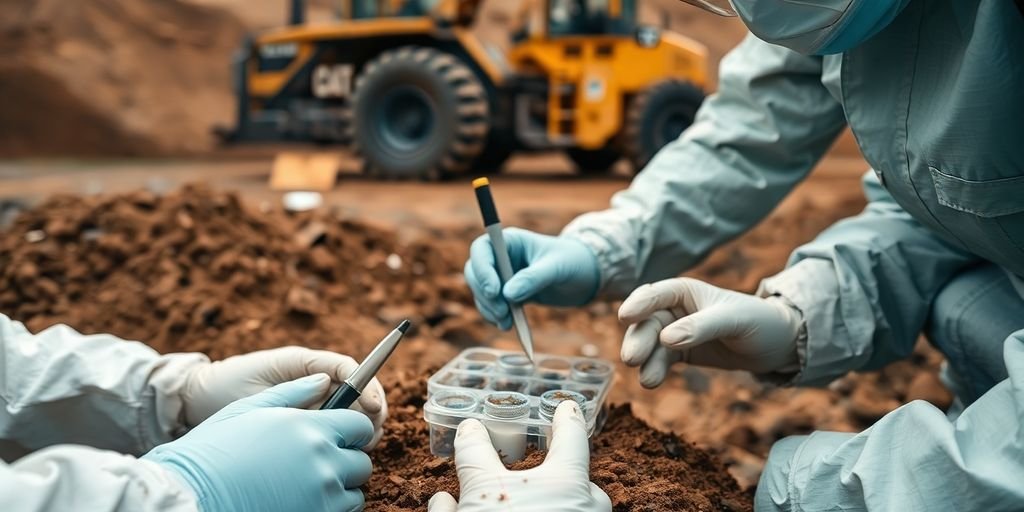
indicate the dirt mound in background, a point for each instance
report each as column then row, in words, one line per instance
column 113, row 77
column 46, row 118
column 201, row 271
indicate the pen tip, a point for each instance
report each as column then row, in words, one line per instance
column 404, row 326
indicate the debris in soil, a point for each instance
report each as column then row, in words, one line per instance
column 642, row 469
column 927, row 387
column 650, row 471
column 869, row 404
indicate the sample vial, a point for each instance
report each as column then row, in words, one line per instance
column 458, row 405
column 543, row 386
column 518, row 385
column 472, row 381
column 477, row 360
column 553, row 369
column 464, row 380
column 591, row 372
column 515, row 364
column 508, row 432
column 549, row 401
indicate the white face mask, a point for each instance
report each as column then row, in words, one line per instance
column 811, row 27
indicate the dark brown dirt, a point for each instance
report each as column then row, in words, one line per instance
column 643, row 469
column 640, row 468
column 201, row 271
column 198, row 270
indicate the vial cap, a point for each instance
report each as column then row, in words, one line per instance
column 591, row 371
column 516, row 364
column 549, row 401
column 506, row 405
column 454, row 401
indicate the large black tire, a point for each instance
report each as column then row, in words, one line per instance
column 658, row 116
column 418, row 113
column 594, row 161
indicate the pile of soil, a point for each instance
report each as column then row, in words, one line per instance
column 640, row 468
column 114, row 77
column 199, row 270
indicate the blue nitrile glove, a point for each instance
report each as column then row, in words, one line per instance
column 263, row 453
column 550, row 270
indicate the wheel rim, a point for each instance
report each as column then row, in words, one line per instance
column 671, row 124
column 405, row 120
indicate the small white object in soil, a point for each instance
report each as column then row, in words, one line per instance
column 394, row 261
column 34, row 236
column 91, row 234
column 590, row 350
column 302, row 201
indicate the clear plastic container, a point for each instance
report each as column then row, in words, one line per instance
column 490, row 385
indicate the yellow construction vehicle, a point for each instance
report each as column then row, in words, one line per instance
column 410, row 86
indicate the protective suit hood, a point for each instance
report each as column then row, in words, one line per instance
column 810, row 27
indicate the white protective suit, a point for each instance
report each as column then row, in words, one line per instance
column 82, row 407
column 935, row 102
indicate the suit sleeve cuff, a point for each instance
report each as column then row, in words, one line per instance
column 616, row 281
column 824, row 348
column 163, row 411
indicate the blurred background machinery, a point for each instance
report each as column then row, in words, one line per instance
column 417, row 94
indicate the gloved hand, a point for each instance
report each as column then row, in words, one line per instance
column 265, row 453
column 694, row 322
column 561, row 483
column 550, row 270
column 210, row 387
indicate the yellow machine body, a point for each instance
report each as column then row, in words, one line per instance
column 441, row 24
column 603, row 71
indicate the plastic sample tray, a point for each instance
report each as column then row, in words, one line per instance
column 481, row 383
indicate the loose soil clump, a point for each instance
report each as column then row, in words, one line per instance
column 640, row 468
column 199, row 270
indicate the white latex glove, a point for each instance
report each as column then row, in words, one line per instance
column 209, row 387
column 686, row 320
column 561, row 483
